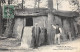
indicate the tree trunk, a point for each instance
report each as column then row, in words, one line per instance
column 0, row 19
column 50, row 21
column 9, row 28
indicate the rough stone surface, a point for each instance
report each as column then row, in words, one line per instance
column 18, row 26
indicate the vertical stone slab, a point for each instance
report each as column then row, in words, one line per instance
column 66, row 28
column 18, row 26
column 58, row 20
column 75, row 26
column 27, row 37
column 78, row 24
column 73, row 29
column 40, row 20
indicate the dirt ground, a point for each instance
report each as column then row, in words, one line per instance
column 69, row 46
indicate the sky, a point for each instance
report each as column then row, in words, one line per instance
column 64, row 5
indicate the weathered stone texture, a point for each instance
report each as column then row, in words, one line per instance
column 18, row 26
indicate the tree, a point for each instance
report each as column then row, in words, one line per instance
column 50, row 21
column 0, row 19
column 10, row 22
column 37, row 2
column 1, row 2
column 10, row 1
column 74, row 2
column 36, row 5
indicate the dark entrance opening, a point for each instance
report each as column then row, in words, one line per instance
column 29, row 21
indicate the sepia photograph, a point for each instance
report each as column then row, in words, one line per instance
column 39, row 26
